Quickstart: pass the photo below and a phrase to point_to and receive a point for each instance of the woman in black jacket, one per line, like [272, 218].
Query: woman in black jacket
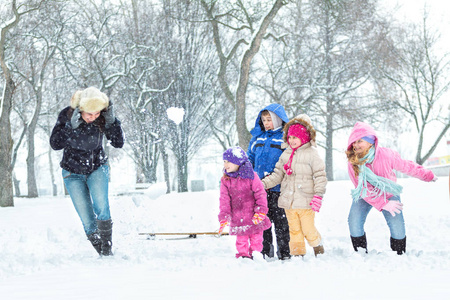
[79, 130]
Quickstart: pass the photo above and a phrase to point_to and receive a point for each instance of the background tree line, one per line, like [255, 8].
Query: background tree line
[337, 60]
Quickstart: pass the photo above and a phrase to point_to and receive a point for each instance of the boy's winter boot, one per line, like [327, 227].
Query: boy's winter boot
[359, 242]
[318, 250]
[398, 245]
[283, 257]
[268, 253]
[105, 232]
[95, 240]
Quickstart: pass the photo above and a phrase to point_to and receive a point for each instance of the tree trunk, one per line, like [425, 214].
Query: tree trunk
[329, 148]
[165, 159]
[6, 145]
[31, 175]
[16, 185]
[244, 135]
[239, 102]
[31, 172]
[182, 160]
[52, 172]
[182, 175]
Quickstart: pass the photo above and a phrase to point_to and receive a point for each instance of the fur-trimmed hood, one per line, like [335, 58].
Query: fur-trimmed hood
[89, 100]
[304, 120]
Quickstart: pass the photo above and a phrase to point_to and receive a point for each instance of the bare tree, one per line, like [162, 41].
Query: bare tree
[39, 43]
[90, 51]
[221, 124]
[239, 21]
[6, 143]
[189, 62]
[325, 66]
[421, 77]
[286, 74]
[144, 33]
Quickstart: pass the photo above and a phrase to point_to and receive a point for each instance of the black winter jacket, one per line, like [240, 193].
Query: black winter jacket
[83, 150]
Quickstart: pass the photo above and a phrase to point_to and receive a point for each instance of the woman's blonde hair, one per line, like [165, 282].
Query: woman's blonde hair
[354, 159]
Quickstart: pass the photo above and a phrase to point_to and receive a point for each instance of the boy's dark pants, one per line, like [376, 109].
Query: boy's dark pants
[278, 217]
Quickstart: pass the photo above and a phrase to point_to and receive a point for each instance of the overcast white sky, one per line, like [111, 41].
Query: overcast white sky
[412, 10]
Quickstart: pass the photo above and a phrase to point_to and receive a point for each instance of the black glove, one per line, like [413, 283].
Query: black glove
[76, 120]
[109, 115]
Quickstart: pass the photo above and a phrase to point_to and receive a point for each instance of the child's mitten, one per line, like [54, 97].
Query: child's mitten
[223, 224]
[393, 207]
[316, 203]
[258, 217]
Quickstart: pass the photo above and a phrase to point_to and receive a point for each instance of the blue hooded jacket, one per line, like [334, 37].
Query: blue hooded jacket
[264, 149]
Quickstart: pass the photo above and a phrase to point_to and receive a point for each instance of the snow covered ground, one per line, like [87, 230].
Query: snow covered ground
[45, 255]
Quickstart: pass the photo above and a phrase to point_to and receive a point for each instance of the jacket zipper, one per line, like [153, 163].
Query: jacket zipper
[92, 152]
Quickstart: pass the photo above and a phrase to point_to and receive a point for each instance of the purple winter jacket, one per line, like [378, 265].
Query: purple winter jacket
[385, 162]
[240, 199]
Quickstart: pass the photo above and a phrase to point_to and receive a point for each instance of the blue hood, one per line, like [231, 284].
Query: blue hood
[276, 109]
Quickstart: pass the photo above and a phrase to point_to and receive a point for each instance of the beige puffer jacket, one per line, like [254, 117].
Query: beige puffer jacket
[308, 177]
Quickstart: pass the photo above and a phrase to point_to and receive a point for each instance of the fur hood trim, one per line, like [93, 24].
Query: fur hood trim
[304, 120]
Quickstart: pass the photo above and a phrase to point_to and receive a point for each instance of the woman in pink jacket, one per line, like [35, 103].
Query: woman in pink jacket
[243, 203]
[371, 169]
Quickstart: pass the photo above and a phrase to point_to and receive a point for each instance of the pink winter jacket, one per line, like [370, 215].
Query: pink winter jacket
[240, 199]
[385, 162]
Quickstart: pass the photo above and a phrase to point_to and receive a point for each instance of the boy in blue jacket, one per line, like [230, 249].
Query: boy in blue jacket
[263, 152]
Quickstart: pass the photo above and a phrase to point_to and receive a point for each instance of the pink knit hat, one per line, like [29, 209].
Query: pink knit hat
[302, 133]
[299, 131]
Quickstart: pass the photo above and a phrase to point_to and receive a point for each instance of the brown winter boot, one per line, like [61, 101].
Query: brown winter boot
[318, 250]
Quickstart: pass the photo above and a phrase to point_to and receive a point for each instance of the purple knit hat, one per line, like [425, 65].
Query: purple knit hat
[237, 156]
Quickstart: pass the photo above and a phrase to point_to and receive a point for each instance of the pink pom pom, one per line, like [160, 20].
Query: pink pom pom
[289, 171]
[286, 166]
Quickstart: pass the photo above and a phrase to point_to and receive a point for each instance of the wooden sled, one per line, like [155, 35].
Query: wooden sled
[184, 235]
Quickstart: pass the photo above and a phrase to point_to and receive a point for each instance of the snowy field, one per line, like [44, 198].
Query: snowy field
[45, 255]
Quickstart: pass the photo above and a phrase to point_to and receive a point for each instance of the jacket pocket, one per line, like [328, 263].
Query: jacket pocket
[307, 185]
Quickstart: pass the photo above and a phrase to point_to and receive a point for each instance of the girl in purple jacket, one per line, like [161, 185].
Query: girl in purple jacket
[371, 169]
[243, 203]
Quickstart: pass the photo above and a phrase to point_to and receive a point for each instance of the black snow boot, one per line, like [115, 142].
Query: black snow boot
[105, 232]
[268, 253]
[398, 245]
[359, 242]
[95, 240]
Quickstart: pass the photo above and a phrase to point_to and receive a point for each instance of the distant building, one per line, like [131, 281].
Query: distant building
[440, 165]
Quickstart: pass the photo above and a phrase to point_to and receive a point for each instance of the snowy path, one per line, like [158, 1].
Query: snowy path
[44, 255]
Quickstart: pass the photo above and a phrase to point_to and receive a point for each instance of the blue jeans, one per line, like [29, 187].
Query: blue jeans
[89, 195]
[360, 210]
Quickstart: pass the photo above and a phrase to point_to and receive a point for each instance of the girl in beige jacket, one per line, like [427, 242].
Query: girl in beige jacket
[301, 173]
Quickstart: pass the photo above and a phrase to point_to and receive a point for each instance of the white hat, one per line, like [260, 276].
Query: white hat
[89, 100]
